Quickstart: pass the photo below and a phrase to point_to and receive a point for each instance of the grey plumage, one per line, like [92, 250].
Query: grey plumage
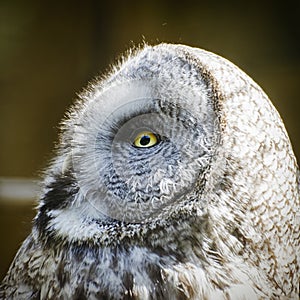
[205, 205]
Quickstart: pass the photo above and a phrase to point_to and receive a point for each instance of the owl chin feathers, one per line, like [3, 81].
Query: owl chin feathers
[169, 183]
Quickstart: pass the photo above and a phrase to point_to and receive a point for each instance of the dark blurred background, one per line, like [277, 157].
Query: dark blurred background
[49, 50]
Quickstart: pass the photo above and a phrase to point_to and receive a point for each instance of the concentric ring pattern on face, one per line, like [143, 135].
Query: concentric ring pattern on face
[136, 184]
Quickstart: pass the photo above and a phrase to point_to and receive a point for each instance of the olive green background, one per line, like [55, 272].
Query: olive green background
[49, 50]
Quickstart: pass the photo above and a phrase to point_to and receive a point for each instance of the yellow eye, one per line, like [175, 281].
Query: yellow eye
[145, 139]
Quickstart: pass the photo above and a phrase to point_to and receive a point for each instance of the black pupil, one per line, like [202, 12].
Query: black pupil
[145, 140]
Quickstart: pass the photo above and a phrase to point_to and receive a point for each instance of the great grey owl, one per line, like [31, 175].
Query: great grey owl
[175, 179]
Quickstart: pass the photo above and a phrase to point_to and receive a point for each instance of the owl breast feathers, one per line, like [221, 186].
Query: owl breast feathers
[175, 179]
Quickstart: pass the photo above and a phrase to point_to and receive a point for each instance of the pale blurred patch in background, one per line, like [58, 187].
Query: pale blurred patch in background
[50, 50]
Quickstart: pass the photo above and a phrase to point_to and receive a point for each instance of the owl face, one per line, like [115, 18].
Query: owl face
[141, 145]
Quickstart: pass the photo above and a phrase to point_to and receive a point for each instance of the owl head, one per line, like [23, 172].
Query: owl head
[140, 143]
